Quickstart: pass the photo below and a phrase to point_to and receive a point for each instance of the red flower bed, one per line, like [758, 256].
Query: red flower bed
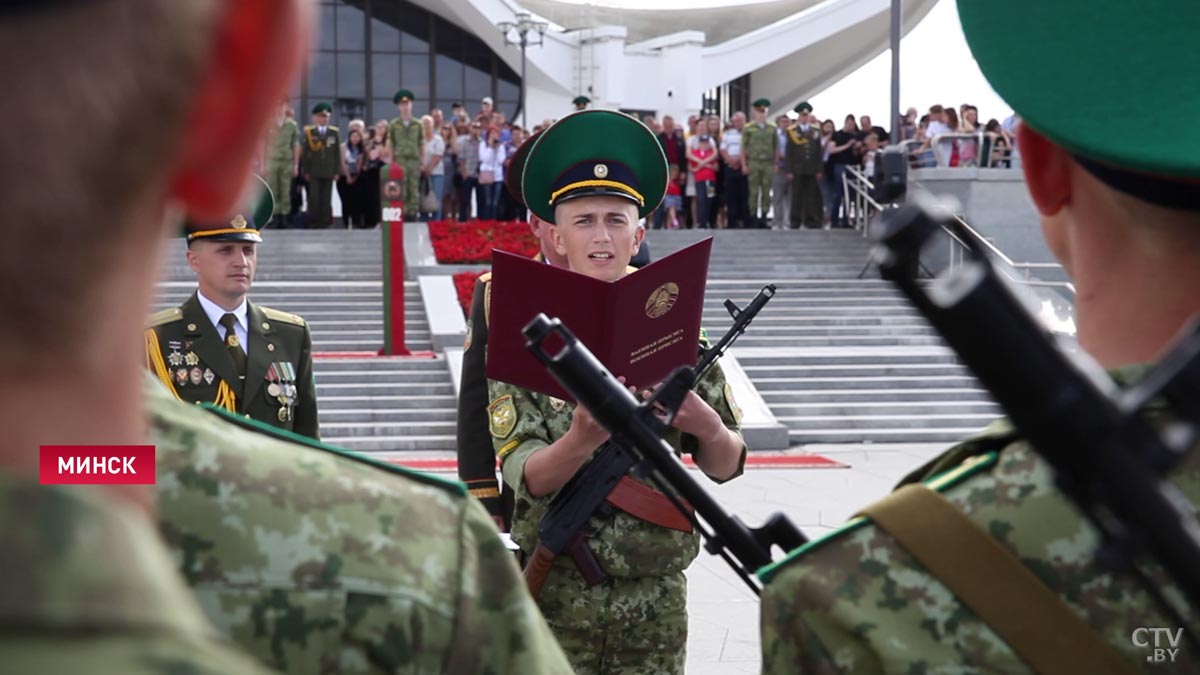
[464, 284]
[456, 243]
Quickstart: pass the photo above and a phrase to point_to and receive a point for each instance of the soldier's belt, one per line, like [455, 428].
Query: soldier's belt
[645, 503]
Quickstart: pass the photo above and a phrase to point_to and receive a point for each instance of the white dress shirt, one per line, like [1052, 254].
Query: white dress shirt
[214, 313]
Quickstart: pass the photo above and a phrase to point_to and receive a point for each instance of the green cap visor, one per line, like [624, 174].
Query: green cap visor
[242, 225]
[593, 153]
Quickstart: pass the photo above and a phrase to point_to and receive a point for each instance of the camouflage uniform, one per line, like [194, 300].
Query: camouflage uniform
[636, 620]
[281, 159]
[857, 602]
[760, 145]
[88, 588]
[316, 560]
[407, 140]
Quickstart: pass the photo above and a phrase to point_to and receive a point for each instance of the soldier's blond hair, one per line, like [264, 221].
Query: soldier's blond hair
[95, 95]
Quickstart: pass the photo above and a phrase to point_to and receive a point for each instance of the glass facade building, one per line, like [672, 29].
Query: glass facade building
[367, 49]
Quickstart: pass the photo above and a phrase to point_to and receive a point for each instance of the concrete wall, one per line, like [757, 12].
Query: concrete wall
[995, 202]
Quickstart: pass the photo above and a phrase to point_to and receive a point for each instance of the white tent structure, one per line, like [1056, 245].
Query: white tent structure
[663, 60]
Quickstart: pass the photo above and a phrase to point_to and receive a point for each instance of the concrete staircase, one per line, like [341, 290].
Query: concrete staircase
[333, 279]
[837, 359]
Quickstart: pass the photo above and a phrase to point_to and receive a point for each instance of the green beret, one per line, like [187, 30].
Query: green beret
[581, 100]
[322, 107]
[803, 107]
[403, 95]
[243, 224]
[593, 153]
[761, 103]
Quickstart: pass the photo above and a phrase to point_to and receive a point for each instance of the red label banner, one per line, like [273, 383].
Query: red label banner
[97, 464]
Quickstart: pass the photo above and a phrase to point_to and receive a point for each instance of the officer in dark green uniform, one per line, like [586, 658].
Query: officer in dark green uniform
[804, 159]
[404, 140]
[321, 162]
[759, 143]
[220, 348]
[581, 102]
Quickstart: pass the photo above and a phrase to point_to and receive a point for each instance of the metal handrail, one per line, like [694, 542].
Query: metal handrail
[857, 187]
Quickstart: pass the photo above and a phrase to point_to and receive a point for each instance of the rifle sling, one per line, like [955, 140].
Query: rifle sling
[993, 583]
[645, 503]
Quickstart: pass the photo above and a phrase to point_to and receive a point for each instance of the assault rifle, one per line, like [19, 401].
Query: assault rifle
[637, 443]
[1106, 457]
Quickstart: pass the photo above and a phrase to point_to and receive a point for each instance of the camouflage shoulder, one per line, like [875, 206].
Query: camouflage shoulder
[994, 437]
[973, 467]
[285, 317]
[451, 486]
[164, 317]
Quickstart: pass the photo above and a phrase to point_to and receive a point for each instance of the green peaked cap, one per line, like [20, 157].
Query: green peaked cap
[594, 153]
[403, 95]
[244, 224]
[761, 103]
[1079, 73]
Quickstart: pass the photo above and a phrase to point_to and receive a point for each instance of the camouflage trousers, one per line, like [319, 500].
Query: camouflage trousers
[761, 174]
[412, 187]
[279, 179]
[624, 626]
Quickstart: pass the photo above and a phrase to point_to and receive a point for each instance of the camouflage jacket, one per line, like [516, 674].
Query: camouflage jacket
[317, 560]
[856, 602]
[522, 422]
[89, 588]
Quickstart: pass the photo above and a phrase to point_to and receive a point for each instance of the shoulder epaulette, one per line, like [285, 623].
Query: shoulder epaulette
[309, 127]
[284, 435]
[332, 127]
[940, 483]
[165, 316]
[282, 316]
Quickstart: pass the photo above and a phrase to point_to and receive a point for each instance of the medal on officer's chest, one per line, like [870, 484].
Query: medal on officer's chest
[281, 377]
[195, 375]
[209, 376]
[181, 376]
[191, 359]
[174, 359]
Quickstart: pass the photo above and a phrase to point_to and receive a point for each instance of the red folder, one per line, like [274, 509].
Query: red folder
[641, 326]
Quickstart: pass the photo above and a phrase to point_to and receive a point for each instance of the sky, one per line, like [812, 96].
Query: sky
[936, 66]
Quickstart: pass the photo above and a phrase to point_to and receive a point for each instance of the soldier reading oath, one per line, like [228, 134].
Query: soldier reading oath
[593, 176]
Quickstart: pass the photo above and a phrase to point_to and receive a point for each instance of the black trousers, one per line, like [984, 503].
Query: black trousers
[737, 199]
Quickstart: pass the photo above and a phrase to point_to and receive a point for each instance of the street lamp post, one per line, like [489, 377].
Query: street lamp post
[523, 26]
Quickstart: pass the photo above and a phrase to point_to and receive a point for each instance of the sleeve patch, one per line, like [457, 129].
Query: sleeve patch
[733, 406]
[502, 417]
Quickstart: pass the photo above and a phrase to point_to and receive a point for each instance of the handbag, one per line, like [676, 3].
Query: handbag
[429, 199]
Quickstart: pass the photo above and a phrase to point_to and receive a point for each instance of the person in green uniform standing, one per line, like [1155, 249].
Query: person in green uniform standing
[404, 140]
[220, 348]
[322, 162]
[283, 161]
[581, 102]
[593, 175]
[1122, 213]
[759, 143]
[88, 585]
[804, 158]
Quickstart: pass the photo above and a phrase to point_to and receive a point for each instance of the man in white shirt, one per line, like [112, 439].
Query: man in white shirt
[737, 183]
[937, 126]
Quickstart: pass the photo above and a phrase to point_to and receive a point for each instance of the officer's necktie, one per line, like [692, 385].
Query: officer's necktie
[233, 345]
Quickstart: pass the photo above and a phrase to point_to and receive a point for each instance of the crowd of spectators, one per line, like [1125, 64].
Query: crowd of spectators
[465, 158]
